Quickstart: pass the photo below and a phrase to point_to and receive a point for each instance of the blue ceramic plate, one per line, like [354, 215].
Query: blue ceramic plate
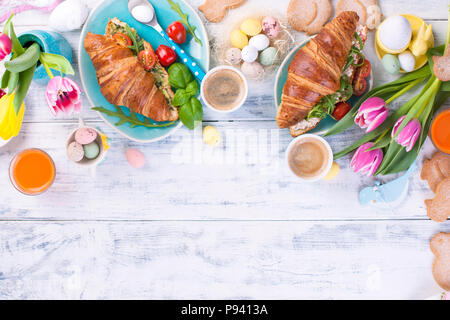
[97, 22]
[281, 78]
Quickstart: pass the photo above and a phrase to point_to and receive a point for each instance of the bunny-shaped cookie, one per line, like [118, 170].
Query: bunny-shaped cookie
[440, 246]
[216, 10]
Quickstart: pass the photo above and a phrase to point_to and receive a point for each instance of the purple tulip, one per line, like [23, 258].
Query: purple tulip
[409, 135]
[5, 46]
[365, 161]
[371, 114]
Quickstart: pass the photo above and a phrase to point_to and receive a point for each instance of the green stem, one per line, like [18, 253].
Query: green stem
[405, 89]
[47, 69]
[381, 136]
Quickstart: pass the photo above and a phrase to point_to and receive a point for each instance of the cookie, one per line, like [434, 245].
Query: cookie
[368, 11]
[309, 15]
[436, 169]
[441, 66]
[440, 246]
[438, 209]
[216, 10]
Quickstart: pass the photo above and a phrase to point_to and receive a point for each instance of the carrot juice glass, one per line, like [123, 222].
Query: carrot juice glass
[440, 131]
[32, 171]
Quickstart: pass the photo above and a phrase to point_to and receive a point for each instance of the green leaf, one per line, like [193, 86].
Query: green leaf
[132, 119]
[179, 76]
[57, 62]
[24, 83]
[5, 79]
[192, 88]
[181, 97]
[191, 113]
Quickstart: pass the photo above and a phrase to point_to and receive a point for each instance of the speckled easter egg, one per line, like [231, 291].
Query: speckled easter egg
[85, 135]
[260, 42]
[390, 63]
[268, 56]
[252, 70]
[91, 150]
[271, 27]
[135, 158]
[251, 27]
[238, 39]
[75, 151]
[407, 61]
[233, 56]
[249, 54]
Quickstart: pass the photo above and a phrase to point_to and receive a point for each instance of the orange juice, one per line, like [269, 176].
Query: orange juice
[32, 171]
[440, 131]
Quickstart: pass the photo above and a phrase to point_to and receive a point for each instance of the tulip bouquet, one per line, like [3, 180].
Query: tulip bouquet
[62, 93]
[393, 142]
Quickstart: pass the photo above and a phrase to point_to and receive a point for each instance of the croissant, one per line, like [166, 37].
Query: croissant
[316, 69]
[124, 82]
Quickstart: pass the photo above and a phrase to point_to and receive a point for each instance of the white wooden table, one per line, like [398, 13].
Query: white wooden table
[192, 229]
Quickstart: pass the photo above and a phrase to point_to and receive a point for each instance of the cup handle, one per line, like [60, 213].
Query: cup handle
[93, 171]
[81, 122]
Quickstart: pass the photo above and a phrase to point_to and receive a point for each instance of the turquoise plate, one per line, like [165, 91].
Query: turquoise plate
[96, 23]
[281, 78]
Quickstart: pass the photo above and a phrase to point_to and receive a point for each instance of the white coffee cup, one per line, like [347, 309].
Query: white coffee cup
[214, 71]
[328, 157]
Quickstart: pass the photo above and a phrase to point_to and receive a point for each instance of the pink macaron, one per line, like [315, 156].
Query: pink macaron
[135, 158]
[85, 135]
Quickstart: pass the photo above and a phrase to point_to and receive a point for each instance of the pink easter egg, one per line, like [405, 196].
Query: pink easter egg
[135, 158]
[271, 27]
[85, 135]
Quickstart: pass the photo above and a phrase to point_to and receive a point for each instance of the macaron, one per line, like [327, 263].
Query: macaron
[91, 150]
[135, 158]
[85, 135]
[75, 151]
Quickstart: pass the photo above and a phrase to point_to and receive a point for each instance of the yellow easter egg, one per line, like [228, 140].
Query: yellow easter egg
[334, 171]
[251, 27]
[212, 136]
[238, 39]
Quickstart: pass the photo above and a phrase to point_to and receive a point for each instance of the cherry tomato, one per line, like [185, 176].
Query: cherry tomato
[341, 109]
[122, 39]
[2, 93]
[364, 70]
[147, 58]
[166, 55]
[359, 86]
[177, 32]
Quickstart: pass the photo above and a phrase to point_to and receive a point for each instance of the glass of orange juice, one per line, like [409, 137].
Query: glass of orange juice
[32, 171]
[440, 131]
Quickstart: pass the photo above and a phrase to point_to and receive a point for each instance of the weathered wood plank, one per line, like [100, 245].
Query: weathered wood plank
[217, 260]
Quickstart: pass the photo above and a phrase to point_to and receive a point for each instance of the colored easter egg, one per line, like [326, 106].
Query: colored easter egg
[249, 54]
[260, 42]
[334, 171]
[238, 39]
[135, 158]
[233, 56]
[268, 56]
[407, 61]
[91, 150]
[85, 135]
[391, 63]
[251, 27]
[212, 136]
[395, 34]
[75, 151]
[271, 27]
[252, 70]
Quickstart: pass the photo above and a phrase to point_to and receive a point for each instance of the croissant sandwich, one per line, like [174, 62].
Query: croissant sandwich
[123, 80]
[321, 74]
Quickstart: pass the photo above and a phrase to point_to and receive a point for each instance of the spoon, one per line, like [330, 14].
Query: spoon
[143, 12]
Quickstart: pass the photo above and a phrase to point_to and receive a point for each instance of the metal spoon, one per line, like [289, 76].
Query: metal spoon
[153, 22]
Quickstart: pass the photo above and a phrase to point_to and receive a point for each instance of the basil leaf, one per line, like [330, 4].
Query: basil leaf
[179, 76]
[57, 62]
[191, 113]
[181, 97]
[192, 88]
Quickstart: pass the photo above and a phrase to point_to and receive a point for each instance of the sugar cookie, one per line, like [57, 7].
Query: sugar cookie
[309, 15]
[216, 10]
[440, 246]
[436, 170]
[438, 209]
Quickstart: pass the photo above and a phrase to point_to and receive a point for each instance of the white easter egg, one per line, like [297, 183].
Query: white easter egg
[69, 15]
[260, 42]
[142, 13]
[249, 54]
[395, 33]
[407, 61]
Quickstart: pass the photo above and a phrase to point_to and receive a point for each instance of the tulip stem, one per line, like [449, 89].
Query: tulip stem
[47, 69]
[405, 89]
[381, 136]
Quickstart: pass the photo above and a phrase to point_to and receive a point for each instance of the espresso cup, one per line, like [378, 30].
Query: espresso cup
[315, 160]
[213, 78]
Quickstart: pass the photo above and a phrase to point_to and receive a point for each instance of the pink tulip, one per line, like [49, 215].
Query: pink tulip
[63, 95]
[365, 161]
[5, 46]
[409, 134]
[371, 114]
